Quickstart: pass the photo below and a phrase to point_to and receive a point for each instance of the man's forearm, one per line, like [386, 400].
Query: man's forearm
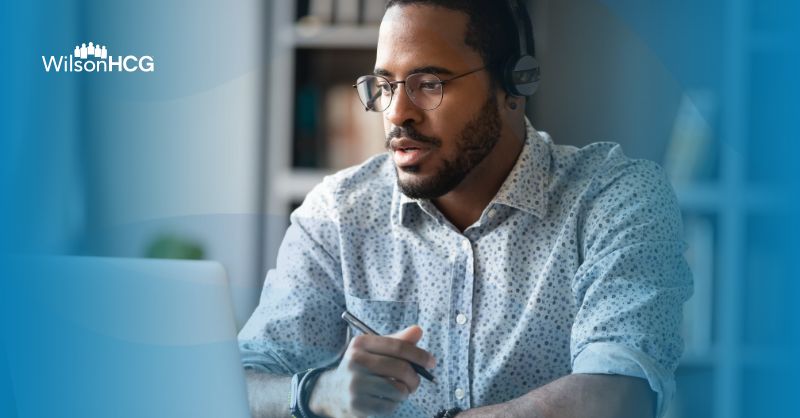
[578, 395]
[268, 394]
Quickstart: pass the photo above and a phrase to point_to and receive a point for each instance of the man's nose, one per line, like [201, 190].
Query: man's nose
[402, 110]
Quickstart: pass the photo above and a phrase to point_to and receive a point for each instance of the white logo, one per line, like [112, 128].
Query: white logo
[95, 57]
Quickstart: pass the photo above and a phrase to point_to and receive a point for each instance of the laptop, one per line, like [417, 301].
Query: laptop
[102, 337]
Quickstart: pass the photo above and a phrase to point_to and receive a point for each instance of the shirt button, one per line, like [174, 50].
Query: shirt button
[459, 394]
[461, 319]
[465, 245]
[491, 213]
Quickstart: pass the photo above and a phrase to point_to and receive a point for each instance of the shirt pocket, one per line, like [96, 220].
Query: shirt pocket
[383, 316]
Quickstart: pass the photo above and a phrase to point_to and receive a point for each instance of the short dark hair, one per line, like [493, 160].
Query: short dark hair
[491, 30]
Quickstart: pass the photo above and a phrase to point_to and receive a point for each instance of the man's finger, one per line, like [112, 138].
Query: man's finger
[411, 334]
[394, 390]
[393, 347]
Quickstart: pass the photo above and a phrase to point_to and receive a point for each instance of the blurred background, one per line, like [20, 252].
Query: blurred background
[251, 105]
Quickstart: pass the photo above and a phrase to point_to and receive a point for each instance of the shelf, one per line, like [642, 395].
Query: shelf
[294, 185]
[746, 356]
[770, 357]
[713, 197]
[696, 360]
[336, 36]
[699, 197]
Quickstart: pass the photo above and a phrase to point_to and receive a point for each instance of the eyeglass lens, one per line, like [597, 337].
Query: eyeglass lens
[376, 92]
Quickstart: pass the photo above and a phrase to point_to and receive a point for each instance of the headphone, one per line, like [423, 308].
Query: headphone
[521, 73]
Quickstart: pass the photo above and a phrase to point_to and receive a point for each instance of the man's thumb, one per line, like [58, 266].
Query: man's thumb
[411, 334]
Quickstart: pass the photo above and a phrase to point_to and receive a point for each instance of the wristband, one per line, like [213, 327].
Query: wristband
[302, 386]
[294, 395]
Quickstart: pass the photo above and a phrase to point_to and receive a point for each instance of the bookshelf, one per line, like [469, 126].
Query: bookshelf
[744, 202]
[333, 36]
[319, 53]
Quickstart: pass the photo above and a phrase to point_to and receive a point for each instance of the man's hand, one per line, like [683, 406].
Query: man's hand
[374, 376]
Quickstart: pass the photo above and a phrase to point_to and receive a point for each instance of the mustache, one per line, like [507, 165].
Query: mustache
[408, 132]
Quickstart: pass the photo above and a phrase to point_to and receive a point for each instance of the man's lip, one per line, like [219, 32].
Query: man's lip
[406, 151]
[405, 156]
[399, 143]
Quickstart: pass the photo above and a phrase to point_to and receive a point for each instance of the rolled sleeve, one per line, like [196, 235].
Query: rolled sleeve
[631, 288]
[607, 358]
[258, 356]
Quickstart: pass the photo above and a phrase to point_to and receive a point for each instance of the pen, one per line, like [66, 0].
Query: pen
[347, 316]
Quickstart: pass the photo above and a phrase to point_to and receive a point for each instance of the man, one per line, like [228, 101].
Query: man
[535, 280]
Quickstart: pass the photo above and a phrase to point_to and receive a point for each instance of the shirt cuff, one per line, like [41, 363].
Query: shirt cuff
[608, 358]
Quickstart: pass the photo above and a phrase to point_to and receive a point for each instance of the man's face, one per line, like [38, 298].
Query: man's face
[434, 150]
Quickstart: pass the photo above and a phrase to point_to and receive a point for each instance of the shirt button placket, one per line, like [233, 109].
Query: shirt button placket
[462, 344]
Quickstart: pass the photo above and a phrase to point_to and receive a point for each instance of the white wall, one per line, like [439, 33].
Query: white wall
[177, 150]
[600, 80]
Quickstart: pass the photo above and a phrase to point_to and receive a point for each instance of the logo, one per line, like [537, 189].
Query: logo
[93, 58]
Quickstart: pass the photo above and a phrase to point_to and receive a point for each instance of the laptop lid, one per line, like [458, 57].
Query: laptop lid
[100, 337]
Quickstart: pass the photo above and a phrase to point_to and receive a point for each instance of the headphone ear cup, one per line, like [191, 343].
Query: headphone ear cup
[521, 75]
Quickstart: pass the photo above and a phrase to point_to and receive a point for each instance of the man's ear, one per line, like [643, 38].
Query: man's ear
[512, 110]
[511, 103]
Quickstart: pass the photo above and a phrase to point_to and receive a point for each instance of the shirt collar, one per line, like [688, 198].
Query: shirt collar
[525, 186]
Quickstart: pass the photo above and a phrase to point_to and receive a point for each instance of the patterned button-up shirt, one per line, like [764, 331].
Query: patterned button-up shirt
[575, 266]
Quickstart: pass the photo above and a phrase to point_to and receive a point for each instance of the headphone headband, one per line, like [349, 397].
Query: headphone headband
[513, 6]
[521, 73]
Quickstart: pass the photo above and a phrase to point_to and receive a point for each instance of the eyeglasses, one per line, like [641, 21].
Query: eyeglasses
[424, 90]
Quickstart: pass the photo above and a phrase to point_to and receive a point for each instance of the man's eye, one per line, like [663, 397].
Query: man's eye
[385, 88]
[428, 86]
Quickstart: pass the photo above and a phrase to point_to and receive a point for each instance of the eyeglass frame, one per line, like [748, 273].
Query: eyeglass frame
[393, 83]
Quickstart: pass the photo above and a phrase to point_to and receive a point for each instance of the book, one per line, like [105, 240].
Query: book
[352, 135]
[347, 12]
[697, 311]
[689, 153]
[306, 126]
[321, 10]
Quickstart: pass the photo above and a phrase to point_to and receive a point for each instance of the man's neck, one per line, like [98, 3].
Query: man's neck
[464, 204]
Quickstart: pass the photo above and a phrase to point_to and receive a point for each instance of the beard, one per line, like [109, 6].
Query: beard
[475, 141]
